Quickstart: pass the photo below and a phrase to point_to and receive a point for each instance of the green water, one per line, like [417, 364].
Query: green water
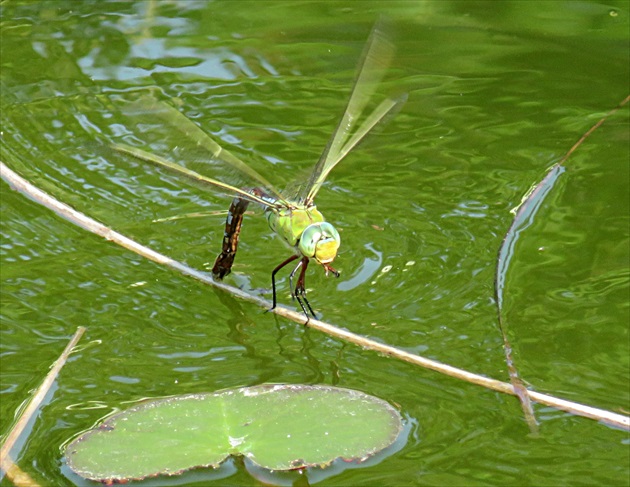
[498, 91]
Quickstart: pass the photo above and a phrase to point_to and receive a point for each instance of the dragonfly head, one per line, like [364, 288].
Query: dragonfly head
[320, 241]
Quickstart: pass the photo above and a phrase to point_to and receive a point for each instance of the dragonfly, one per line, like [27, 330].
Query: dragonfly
[296, 220]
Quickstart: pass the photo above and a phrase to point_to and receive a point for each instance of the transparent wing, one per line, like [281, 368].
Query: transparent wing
[374, 62]
[188, 174]
[150, 107]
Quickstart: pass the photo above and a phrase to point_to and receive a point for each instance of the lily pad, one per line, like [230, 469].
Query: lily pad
[277, 427]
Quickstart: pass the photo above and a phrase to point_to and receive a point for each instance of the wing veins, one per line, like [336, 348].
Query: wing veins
[375, 59]
[187, 173]
[177, 120]
[368, 124]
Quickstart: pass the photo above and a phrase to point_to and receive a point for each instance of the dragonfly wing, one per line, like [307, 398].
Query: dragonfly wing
[187, 173]
[376, 57]
[385, 108]
[150, 107]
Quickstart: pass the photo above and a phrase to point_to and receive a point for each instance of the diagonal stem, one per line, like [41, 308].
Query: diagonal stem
[78, 218]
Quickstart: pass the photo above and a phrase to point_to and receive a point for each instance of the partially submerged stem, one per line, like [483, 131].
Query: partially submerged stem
[70, 214]
[522, 218]
[5, 461]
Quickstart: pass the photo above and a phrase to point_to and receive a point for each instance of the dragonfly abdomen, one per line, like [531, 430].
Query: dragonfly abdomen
[223, 264]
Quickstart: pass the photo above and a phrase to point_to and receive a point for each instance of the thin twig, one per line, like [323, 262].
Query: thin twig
[592, 129]
[5, 461]
[20, 184]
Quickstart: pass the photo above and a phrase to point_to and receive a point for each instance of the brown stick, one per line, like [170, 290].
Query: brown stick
[20, 184]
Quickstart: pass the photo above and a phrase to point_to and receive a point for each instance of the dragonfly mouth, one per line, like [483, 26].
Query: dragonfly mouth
[327, 247]
[326, 251]
[319, 241]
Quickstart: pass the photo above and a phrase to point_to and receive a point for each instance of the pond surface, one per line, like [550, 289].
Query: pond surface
[497, 93]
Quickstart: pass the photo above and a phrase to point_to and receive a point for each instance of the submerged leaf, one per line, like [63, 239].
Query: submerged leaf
[278, 427]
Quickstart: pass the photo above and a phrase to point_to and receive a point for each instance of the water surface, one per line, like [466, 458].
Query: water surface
[496, 95]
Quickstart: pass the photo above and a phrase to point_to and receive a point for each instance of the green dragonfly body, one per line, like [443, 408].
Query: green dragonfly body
[296, 220]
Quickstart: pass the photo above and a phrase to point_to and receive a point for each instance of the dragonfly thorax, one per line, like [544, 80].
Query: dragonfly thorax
[320, 241]
[304, 228]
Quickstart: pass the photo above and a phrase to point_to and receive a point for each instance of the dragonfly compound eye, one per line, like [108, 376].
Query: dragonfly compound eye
[320, 241]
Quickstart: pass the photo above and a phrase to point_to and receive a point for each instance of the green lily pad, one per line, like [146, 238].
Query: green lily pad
[278, 427]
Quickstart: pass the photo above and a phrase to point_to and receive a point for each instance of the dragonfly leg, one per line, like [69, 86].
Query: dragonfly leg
[273, 277]
[300, 288]
[223, 265]
[330, 269]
